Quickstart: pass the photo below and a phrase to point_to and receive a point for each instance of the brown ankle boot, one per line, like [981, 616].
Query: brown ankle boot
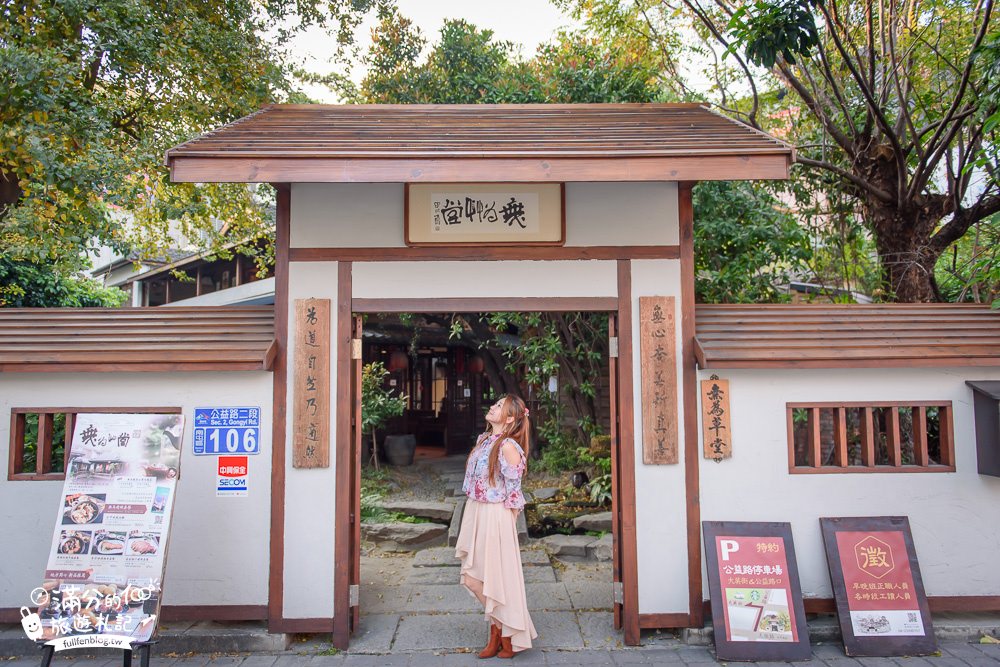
[493, 645]
[505, 650]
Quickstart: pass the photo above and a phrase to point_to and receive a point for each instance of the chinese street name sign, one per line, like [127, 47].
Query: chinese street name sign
[226, 431]
[311, 378]
[877, 586]
[105, 567]
[484, 214]
[658, 366]
[717, 432]
[757, 610]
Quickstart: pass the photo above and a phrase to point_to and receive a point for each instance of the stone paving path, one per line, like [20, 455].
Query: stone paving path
[414, 603]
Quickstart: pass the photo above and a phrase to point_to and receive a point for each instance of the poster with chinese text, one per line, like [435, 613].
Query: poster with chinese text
[757, 610]
[105, 565]
[876, 582]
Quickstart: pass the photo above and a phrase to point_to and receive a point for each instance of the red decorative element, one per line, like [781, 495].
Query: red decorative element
[476, 364]
[398, 361]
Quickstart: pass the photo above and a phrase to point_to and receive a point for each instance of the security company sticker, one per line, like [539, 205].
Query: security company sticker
[232, 477]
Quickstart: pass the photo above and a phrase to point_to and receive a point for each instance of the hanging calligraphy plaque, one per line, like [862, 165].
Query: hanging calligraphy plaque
[716, 429]
[658, 346]
[491, 214]
[311, 378]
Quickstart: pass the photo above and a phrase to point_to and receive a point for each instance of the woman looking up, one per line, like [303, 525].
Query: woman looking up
[487, 541]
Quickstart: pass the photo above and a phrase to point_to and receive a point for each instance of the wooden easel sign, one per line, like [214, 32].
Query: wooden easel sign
[753, 580]
[877, 586]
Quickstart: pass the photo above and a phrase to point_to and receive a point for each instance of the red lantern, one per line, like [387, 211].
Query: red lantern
[476, 364]
[398, 361]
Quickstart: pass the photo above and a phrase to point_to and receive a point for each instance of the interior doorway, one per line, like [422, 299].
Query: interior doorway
[448, 383]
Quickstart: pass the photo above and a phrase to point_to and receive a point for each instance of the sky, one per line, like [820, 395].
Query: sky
[527, 23]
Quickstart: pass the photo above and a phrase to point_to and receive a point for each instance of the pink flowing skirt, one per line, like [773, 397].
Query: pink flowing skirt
[487, 546]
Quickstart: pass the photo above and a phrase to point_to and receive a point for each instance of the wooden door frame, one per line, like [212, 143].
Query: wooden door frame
[347, 546]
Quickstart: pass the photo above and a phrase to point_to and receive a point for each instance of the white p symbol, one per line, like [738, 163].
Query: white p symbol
[728, 547]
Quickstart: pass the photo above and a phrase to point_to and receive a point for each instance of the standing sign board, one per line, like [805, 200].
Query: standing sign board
[757, 611]
[876, 582]
[105, 566]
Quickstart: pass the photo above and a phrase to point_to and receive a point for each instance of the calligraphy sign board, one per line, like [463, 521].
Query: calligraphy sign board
[311, 375]
[876, 582]
[717, 431]
[753, 580]
[490, 214]
[105, 567]
[658, 366]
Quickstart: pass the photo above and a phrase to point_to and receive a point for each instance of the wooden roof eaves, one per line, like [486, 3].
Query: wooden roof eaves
[834, 363]
[750, 166]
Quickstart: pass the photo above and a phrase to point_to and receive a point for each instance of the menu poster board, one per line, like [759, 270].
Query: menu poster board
[105, 566]
[877, 586]
[753, 580]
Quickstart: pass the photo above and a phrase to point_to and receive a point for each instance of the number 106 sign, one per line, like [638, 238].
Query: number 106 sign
[226, 431]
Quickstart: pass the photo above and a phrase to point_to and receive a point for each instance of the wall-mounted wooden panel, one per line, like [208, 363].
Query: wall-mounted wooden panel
[311, 378]
[658, 365]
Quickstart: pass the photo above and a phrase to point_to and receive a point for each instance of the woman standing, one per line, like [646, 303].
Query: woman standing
[487, 541]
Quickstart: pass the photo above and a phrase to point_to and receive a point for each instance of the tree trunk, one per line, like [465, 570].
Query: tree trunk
[905, 254]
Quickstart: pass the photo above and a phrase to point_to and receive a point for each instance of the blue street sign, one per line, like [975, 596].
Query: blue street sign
[226, 431]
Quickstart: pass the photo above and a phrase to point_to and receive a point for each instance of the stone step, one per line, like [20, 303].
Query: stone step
[599, 521]
[435, 511]
[445, 557]
[400, 536]
[450, 575]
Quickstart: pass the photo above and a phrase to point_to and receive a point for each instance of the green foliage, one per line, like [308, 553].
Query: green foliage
[970, 270]
[571, 348]
[769, 29]
[467, 66]
[378, 404]
[600, 481]
[91, 94]
[746, 244]
[26, 284]
[30, 452]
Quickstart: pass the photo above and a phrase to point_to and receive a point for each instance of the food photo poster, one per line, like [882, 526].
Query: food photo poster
[106, 562]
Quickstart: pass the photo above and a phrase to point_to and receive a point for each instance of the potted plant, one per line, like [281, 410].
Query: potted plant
[377, 402]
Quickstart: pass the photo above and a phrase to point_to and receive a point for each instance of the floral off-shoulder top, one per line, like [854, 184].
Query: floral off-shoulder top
[507, 489]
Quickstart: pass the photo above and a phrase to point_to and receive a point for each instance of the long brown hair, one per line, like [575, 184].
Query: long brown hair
[518, 430]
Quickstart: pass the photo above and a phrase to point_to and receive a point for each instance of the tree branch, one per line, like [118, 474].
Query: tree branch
[962, 220]
[857, 181]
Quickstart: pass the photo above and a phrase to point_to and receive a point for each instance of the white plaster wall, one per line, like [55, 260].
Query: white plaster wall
[310, 494]
[359, 215]
[218, 553]
[661, 527]
[564, 278]
[954, 517]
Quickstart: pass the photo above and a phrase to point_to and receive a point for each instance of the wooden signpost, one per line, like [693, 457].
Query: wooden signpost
[658, 347]
[311, 378]
[877, 586]
[757, 611]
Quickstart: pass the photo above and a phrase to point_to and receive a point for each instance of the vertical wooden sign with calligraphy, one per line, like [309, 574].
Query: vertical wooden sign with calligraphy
[311, 375]
[716, 429]
[658, 365]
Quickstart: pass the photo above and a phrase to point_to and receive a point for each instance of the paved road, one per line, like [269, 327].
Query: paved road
[951, 655]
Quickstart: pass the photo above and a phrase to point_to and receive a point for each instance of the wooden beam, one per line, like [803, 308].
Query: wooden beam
[840, 437]
[263, 169]
[920, 435]
[425, 254]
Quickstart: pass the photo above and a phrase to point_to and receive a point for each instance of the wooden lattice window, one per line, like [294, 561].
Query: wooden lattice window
[39, 443]
[915, 436]
[40, 439]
